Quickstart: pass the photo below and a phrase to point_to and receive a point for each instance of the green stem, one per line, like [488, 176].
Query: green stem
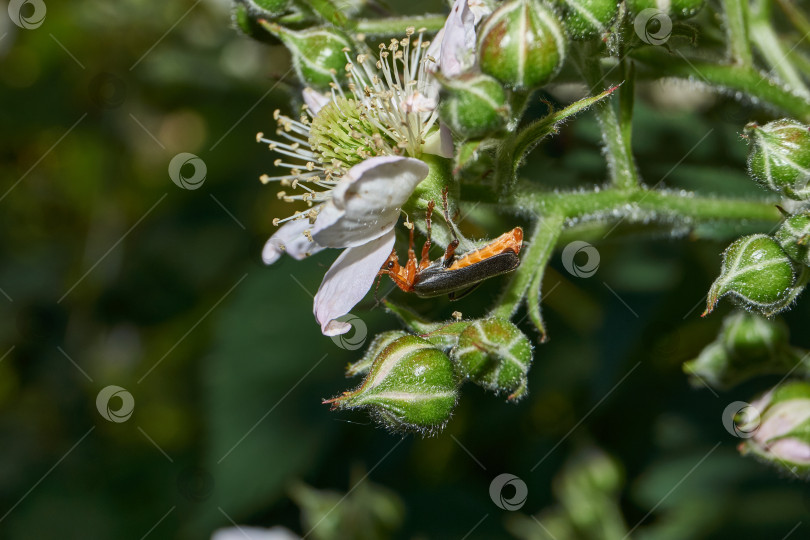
[540, 247]
[621, 164]
[553, 225]
[732, 79]
[641, 204]
[395, 26]
[767, 42]
[796, 16]
[739, 44]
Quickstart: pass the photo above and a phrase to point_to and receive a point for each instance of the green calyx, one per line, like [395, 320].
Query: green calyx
[494, 354]
[522, 44]
[317, 53]
[586, 19]
[342, 134]
[410, 386]
[779, 157]
[473, 105]
[757, 272]
[793, 235]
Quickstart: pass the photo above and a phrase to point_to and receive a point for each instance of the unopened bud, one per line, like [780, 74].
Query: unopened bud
[494, 354]
[779, 157]
[586, 19]
[522, 44]
[411, 386]
[317, 53]
[473, 105]
[757, 272]
[782, 436]
[748, 345]
[362, 366]
[793, 235]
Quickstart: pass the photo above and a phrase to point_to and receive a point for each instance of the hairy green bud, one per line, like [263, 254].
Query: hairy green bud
[779, 157]
[677, 9]
[473, 105]
[757, 272]
[494, 354]
[266, 8]
[780, 433]
[410, 386]
[522, 44]
[317, 53]
[748, 345]
[793, 236]
[586, 19]
[362, 366]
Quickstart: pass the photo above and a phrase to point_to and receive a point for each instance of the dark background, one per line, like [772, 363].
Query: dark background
[113, 275]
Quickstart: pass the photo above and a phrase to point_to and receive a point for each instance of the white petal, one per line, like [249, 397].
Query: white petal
[454, 45]
[348, 281]
[440, 142]
[315, 100]
[366, 202]
[479, 8]
[290, 238]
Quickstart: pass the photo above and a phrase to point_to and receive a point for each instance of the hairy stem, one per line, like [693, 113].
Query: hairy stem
[621, 164]
[739, 44]
[735, 80]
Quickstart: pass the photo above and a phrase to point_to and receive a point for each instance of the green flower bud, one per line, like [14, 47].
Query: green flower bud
[780, 435]
[793, 236]
[748, 345]
[317, 53]
[779, 157]
[757, 272]
[266, 8]
[677, 9]
[522, 44]
[362, 366]
[494, 354]
[586, 19]
[411, 386]
[473, 105]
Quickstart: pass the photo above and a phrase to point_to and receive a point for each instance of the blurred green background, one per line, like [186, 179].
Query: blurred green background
[113, 275]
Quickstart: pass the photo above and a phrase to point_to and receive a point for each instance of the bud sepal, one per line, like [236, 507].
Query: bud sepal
[758, 273]
[494, 354]
[793, 235]
[410, 386]
[779, 157]
[473, 105]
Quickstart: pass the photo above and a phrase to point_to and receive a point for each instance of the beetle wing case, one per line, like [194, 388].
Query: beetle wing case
[435, 280]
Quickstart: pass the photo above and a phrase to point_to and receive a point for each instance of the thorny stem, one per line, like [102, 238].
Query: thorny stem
[736, 21]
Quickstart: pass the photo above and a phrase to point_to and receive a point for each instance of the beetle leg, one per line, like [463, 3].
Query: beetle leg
[450, 252]
[401, 276]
